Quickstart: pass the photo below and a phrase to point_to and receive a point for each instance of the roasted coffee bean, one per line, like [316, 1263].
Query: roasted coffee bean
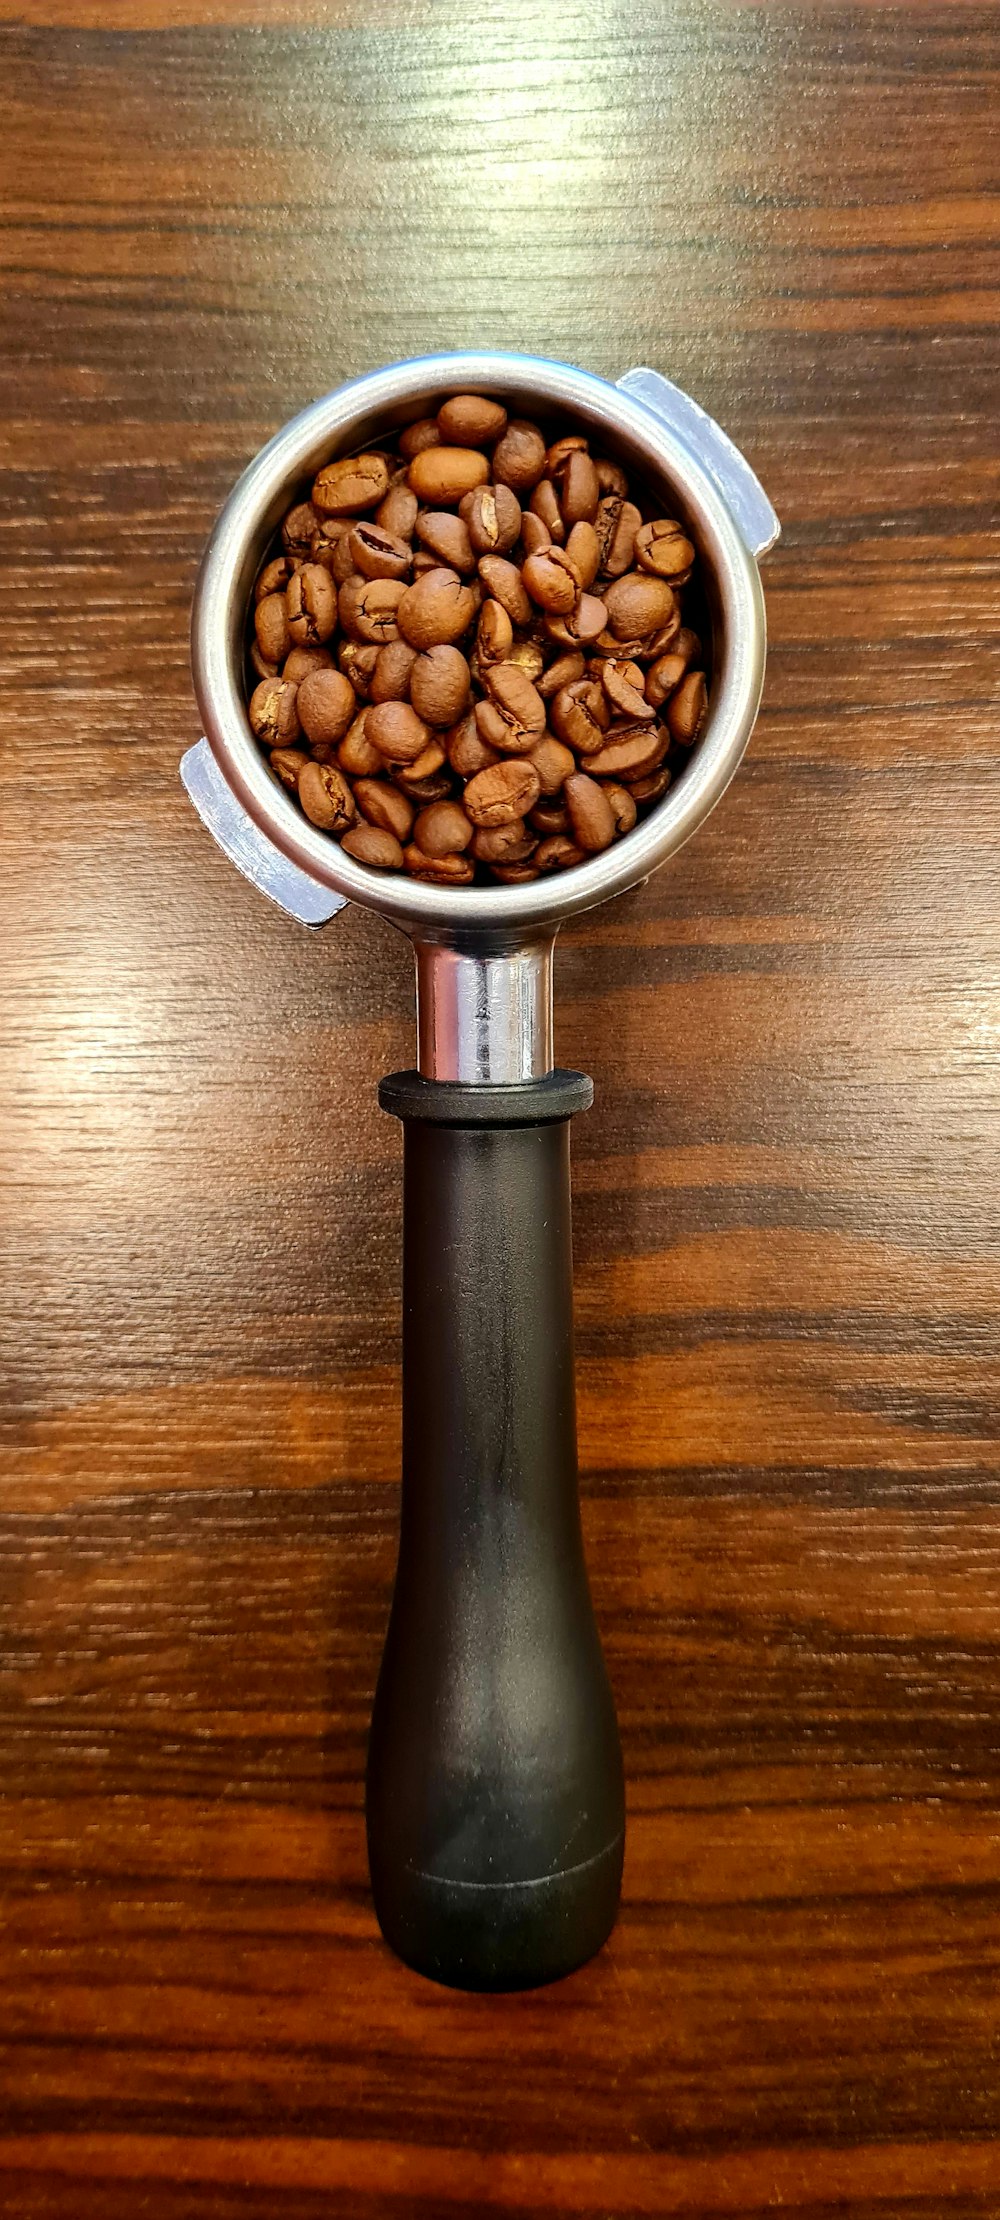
[303, 661]
[385, 806]
[662, 676]
[441, 870]
[274, 717]
[651, 787]
[557, 853]
[583, 553]
[397, 513]
[391, 676]
[439, 476]
[274, 577]
[369, 608]
[535, 536]
[372, 845]
[579, 492]
[326, 797]
[629, 752]
[552, 581]
[348, 487]
[298, 529]
[436, 609]
[465, 621]
[378, 553]
[311, 605]
[467, 752]
[286, 763]
[583, 625]
[622, 806]
[447, 538]
[687, 707]
[492, 517]
[553, 762]
[580, 715]
[504, 843]
[519, 457]
[589, 812]
[564, 671]
[326, 705]
[443, 830]
[439, 685]
[638, 604]
[358, 659]
[396, 731]
[271, 626]
[502, 580]
[663, 547]
[501, 793]
[623, 685]
[544, 505]
[469, 420]
[424, 433]
[548, 817]
[494, 635]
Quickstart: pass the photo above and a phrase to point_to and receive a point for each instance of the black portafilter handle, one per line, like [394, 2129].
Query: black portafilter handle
[495, 1798]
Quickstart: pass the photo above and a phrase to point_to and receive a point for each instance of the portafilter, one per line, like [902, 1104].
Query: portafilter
[495, 1799]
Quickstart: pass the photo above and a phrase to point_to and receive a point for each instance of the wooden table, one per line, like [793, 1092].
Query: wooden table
[786, 1196]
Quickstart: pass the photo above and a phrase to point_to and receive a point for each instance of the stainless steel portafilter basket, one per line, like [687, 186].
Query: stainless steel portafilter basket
[495, 1804]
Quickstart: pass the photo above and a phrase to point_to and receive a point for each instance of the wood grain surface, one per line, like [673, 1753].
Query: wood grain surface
[787, 1194]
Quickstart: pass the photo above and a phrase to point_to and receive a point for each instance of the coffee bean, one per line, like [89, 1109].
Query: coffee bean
[286, 763]
[372, 845]
[397, 513]
[326, 797]
[355, 483]
[391, 676]
[443, 830]
[384, 806]
[553, 762]
[687, 707]
[552, 581]
[502, 580]
[439, 476]
[424, 433]
[516, 675]
[512, 843]
[447, 538]
[468, 420]
[356, 754]
[369, 608]
[298, 529]
[379, 554]
[396, 731]
[492, 517]
[439, 685]
[502, 793]
[557, 853]
[441, 870]
[271, 626]
[589, 812]
[303, 661]
[436, 609]
[326, 705]
[519, 457]
[274, 717]
[663, 547]
[638, 604]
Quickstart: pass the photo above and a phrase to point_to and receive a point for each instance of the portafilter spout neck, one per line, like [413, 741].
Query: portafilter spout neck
[484, 1007]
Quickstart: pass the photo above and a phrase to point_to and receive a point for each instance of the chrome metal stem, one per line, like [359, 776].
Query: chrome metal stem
[484, 1012]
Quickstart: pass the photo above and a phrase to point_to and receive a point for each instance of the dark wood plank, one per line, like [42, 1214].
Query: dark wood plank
[786, 1196]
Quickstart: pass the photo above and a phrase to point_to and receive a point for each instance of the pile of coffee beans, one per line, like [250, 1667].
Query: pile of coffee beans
[470, 653]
